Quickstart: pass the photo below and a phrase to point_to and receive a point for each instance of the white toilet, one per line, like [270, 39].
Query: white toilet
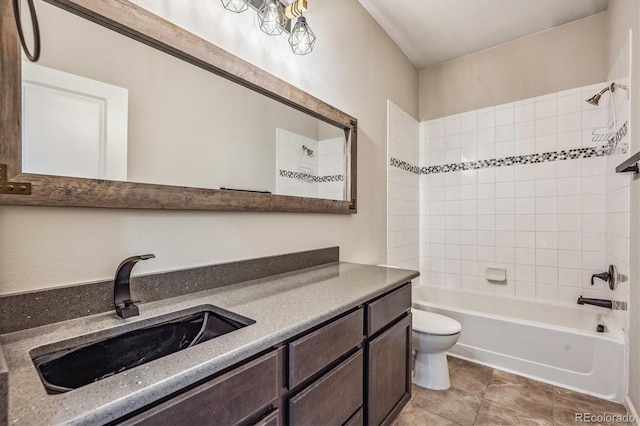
[432, 334]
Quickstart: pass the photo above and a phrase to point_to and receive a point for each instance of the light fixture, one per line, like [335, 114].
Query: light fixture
[271, 17]
[302, 38]
[297, 8]
[274, 18]
[236, 6]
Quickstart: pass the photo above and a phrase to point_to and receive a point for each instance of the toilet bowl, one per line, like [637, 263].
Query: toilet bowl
[432, 335]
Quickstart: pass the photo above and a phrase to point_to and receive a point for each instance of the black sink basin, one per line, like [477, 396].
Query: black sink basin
[71, 368]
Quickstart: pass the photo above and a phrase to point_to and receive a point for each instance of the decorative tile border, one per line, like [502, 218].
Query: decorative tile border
[311, 178]
[403, 165]
[570, 154]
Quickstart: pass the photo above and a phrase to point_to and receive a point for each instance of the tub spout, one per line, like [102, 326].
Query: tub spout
[603, 303]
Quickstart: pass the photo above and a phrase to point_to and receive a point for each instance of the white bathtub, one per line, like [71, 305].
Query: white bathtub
[550, 343]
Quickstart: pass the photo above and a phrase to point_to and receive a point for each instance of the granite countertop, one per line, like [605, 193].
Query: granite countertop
[282, 306]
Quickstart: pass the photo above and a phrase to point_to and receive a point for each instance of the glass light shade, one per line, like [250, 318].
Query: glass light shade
[236, 6]
[302, 38]
[271, 17]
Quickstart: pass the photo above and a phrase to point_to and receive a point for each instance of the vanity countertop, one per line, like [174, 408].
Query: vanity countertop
[282, 306]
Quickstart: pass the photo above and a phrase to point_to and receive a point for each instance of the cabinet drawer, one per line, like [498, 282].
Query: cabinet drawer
[311, 353]
[232, 398]
[273, 419]
[384, 310]
[332, 399]
[356, 420]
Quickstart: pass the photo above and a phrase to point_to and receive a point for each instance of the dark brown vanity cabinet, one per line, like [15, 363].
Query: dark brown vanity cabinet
[373, 384]
[352, 370]
[388, 353]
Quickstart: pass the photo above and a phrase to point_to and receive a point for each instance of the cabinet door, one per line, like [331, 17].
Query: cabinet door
[389, 373]
[244, 393]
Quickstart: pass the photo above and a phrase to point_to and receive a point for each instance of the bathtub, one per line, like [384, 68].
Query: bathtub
[551, 343]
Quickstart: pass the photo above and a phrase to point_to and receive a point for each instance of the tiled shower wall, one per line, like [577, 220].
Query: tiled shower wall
[542, 220]
[403, 221]
[521, 186]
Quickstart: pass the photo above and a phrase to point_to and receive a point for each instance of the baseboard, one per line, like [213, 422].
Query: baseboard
[632, 410]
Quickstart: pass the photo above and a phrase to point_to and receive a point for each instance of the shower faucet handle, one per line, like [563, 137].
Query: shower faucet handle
[610, 276]
[604, 276]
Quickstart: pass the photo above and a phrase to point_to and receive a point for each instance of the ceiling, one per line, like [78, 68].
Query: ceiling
[431, 32]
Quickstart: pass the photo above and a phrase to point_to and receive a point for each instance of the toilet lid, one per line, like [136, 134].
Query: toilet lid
[428, 322]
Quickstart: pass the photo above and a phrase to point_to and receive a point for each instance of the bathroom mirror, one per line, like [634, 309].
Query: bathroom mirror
[151, 130]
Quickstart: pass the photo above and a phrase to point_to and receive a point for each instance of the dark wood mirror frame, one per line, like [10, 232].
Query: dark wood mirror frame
[17, 188]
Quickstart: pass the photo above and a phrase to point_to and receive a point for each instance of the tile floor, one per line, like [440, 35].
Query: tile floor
[484, 396]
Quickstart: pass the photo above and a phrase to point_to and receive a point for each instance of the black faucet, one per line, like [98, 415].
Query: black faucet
[603, 303]
[125, 307]
[604, 276]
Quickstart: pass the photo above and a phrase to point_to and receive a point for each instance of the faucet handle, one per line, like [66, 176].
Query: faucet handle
[604, 276]
[611, 277]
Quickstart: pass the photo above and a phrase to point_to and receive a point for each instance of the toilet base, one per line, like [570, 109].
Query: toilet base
[431, 371]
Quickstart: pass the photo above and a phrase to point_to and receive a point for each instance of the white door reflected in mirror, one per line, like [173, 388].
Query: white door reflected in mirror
[73, 126]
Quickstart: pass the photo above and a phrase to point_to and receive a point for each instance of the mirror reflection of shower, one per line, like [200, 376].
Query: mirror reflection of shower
[311, 164]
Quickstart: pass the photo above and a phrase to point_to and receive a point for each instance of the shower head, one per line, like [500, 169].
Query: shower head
[596, 98]
[307, 150]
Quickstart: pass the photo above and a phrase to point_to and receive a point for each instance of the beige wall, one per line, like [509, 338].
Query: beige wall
[355, 67]
[568, 56]
[622, 15]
